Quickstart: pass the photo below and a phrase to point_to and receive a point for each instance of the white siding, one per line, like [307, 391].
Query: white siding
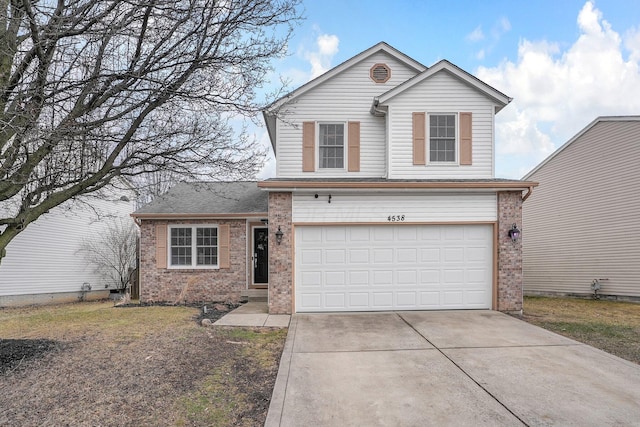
[441, 93]
[43, 258]
[346, 97]
[377, 207]
[582, 223]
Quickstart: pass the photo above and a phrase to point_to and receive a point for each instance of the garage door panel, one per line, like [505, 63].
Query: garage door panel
[407, 255]
[394, 267]
[311, 256]
[407, 277]
[429, 299]
[359, 256]
[382, 277]
[359, 299]
[383, 300]
[406, 299]
[359, 278]
[383, 256]
[335, 256]
[430, 255]
[335, 278]
[334, 300]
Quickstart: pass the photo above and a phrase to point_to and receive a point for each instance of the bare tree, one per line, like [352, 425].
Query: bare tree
[113, 254]
[94, 89]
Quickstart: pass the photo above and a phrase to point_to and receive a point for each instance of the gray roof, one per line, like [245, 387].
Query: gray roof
[209, 198]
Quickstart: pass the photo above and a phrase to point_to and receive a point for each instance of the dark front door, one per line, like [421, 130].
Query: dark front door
[260, 255]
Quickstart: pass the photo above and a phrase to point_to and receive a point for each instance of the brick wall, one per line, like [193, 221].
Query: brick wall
[280, 256]
[191, 285]
[509, 253]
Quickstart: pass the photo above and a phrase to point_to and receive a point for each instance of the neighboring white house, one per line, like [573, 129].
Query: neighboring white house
[385, 199]
[582, 225]
[43, 265]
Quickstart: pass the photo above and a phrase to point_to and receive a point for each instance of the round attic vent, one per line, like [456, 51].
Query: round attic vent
[380, 73]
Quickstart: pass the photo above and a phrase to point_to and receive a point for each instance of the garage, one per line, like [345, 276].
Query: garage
[393, 267]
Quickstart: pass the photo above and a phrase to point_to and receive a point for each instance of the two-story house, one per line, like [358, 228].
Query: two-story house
[384, 199]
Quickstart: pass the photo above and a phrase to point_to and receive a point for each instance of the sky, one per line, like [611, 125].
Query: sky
[564, 62]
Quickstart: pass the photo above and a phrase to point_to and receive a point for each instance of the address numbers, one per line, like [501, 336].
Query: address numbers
[395, 218]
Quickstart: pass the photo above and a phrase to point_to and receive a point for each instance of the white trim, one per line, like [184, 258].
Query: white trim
[436, 163]
[345, 145]
[193, 266]
[501, 99]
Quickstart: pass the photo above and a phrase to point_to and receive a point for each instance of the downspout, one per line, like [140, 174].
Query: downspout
[379, 112]
[526, 196]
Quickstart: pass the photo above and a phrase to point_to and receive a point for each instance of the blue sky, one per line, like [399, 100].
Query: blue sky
[564, 62]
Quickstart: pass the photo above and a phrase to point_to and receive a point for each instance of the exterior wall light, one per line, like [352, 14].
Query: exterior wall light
[279, 235]
[514, 233]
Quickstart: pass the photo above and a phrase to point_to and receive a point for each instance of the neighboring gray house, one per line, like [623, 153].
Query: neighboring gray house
[582, 224]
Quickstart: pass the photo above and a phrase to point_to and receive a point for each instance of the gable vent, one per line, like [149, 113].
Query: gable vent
[380, 73]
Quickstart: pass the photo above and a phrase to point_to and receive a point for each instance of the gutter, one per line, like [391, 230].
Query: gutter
[529, 191]
[375, 110]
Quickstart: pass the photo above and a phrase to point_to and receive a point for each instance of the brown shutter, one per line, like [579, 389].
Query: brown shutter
[354, 147]
[308, 146]
[161, 245]
[466, 150]
[419, 143]
[223, 244]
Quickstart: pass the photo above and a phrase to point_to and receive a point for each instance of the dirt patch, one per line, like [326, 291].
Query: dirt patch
[93, 364]
[612, 326]
[15, 351]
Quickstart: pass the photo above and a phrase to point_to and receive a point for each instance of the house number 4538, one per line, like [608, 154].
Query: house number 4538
[395, 218]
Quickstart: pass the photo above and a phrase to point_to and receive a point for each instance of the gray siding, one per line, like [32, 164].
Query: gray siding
[583, 221]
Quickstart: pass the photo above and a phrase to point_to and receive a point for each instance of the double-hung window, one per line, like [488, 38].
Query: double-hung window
[331, 145]
[442, 138]
[193, 246]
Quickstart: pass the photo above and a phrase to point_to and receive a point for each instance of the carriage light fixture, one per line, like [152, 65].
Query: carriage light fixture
[514, 233]
[279, 235]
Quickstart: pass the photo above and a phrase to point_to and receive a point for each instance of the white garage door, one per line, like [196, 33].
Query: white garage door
[393, 267]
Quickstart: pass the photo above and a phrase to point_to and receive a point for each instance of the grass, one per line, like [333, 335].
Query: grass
[136, 366]
[612, 326]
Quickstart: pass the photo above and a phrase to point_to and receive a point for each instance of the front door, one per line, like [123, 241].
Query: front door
[260, 256]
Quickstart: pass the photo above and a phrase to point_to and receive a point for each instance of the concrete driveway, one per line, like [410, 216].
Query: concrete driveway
[446, 368]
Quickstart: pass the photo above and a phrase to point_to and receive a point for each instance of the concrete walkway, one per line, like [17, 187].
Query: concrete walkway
[446, 368]
[254, 313]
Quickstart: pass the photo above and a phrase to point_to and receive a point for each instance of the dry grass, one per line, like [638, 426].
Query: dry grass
[611, 326]
[136, 366]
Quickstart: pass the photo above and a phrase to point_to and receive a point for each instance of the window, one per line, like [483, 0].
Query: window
[193, 246]
[331, 145]
[442, 138]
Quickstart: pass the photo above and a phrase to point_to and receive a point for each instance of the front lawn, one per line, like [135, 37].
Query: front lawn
[94, 364]
[611, 326]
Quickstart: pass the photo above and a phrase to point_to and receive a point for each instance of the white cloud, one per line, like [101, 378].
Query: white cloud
[320, 58]
[557, 92]
[476, 35]
[499, 28]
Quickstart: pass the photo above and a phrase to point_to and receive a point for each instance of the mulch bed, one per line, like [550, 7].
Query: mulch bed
[13, 352]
